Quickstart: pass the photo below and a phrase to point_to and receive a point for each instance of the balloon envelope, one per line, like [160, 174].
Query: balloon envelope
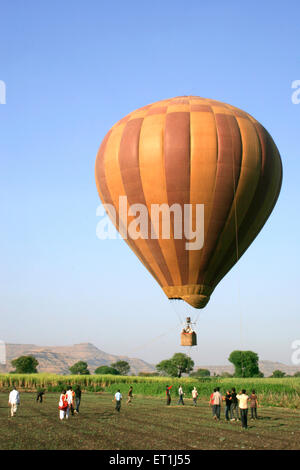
[191, 150]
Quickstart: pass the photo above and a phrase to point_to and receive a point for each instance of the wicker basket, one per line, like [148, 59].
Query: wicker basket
[188, 339]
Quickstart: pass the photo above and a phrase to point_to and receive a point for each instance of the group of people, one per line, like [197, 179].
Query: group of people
[69, 401]
[181, 395]
[118, 398]
[236, 405]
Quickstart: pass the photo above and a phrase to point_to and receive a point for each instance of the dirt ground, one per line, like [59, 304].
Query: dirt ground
[147, 423]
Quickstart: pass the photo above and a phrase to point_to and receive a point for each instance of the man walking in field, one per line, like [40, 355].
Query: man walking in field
[228, 403]
[180, 393]
[13, 401]
[77, 398]
[195, 396]
[118, 398]
[253, 404]
[217, 400]
[129, 396]
[243, 405]
[234, 409]
[168, 394]
[39, 395]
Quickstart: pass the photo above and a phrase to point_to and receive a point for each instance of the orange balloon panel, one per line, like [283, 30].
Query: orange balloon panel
[191, 150]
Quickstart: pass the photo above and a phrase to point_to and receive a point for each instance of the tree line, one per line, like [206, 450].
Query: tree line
[245, 365]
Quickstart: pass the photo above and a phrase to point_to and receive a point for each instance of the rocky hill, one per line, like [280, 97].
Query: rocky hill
[58, 359]
[266, 367]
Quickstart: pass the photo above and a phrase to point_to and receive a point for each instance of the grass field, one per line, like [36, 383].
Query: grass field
[272, 392]
[145, 424]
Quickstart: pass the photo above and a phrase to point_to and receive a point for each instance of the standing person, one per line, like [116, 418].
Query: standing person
[77, 398]
[70, 399]
[253, 404]
[118, 398]
[228, 402]
[14, 401]
[195, 396]
[39, 395]
[243, 406]
[130, 396]
[234, 409]
[168, 394]
[211, 402]
[180, 393]
[217, 399]
[63, 405]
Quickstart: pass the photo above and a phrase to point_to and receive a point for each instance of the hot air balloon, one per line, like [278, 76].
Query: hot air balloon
[190, 151]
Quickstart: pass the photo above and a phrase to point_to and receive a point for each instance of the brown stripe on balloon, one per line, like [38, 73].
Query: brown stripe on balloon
[106, 198]
[227, 175]
[177, 166]
[157, 110]
[130, 172]
[204, 108]
[100, 172]
[249, 229]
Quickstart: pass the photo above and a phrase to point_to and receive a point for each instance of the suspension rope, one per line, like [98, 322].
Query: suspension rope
[173, 303]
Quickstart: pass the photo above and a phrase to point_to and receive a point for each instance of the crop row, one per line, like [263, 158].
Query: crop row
[277, 392]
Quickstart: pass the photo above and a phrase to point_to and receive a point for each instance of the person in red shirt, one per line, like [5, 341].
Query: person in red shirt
[63, 405]
[168, 394]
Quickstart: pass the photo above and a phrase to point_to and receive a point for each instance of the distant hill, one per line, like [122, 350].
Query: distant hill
[266, 367]
[58, 359]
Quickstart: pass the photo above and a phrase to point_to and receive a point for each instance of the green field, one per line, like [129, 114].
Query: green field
[272, 392]
[147, 423]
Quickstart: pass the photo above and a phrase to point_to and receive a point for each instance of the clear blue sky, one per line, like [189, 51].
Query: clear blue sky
[72, 69]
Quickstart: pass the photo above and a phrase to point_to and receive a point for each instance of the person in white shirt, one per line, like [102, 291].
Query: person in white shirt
[118, 398]
[195, 395]
[243, 405]
[70, 399]
[180, 393]
[14, 401]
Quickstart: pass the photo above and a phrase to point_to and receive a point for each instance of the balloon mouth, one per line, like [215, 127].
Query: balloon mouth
[196, 295]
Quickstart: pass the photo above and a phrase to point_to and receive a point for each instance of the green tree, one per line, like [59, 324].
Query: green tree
[79, 368]
[245, 364]
[176, 366]
[278, 374]
[297, 374]
[106, 370]
[121, 366]
[201, 373]
[25, 365]
[167, 367]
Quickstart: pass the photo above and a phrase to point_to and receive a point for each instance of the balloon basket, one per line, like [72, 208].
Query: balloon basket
[188, 339]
